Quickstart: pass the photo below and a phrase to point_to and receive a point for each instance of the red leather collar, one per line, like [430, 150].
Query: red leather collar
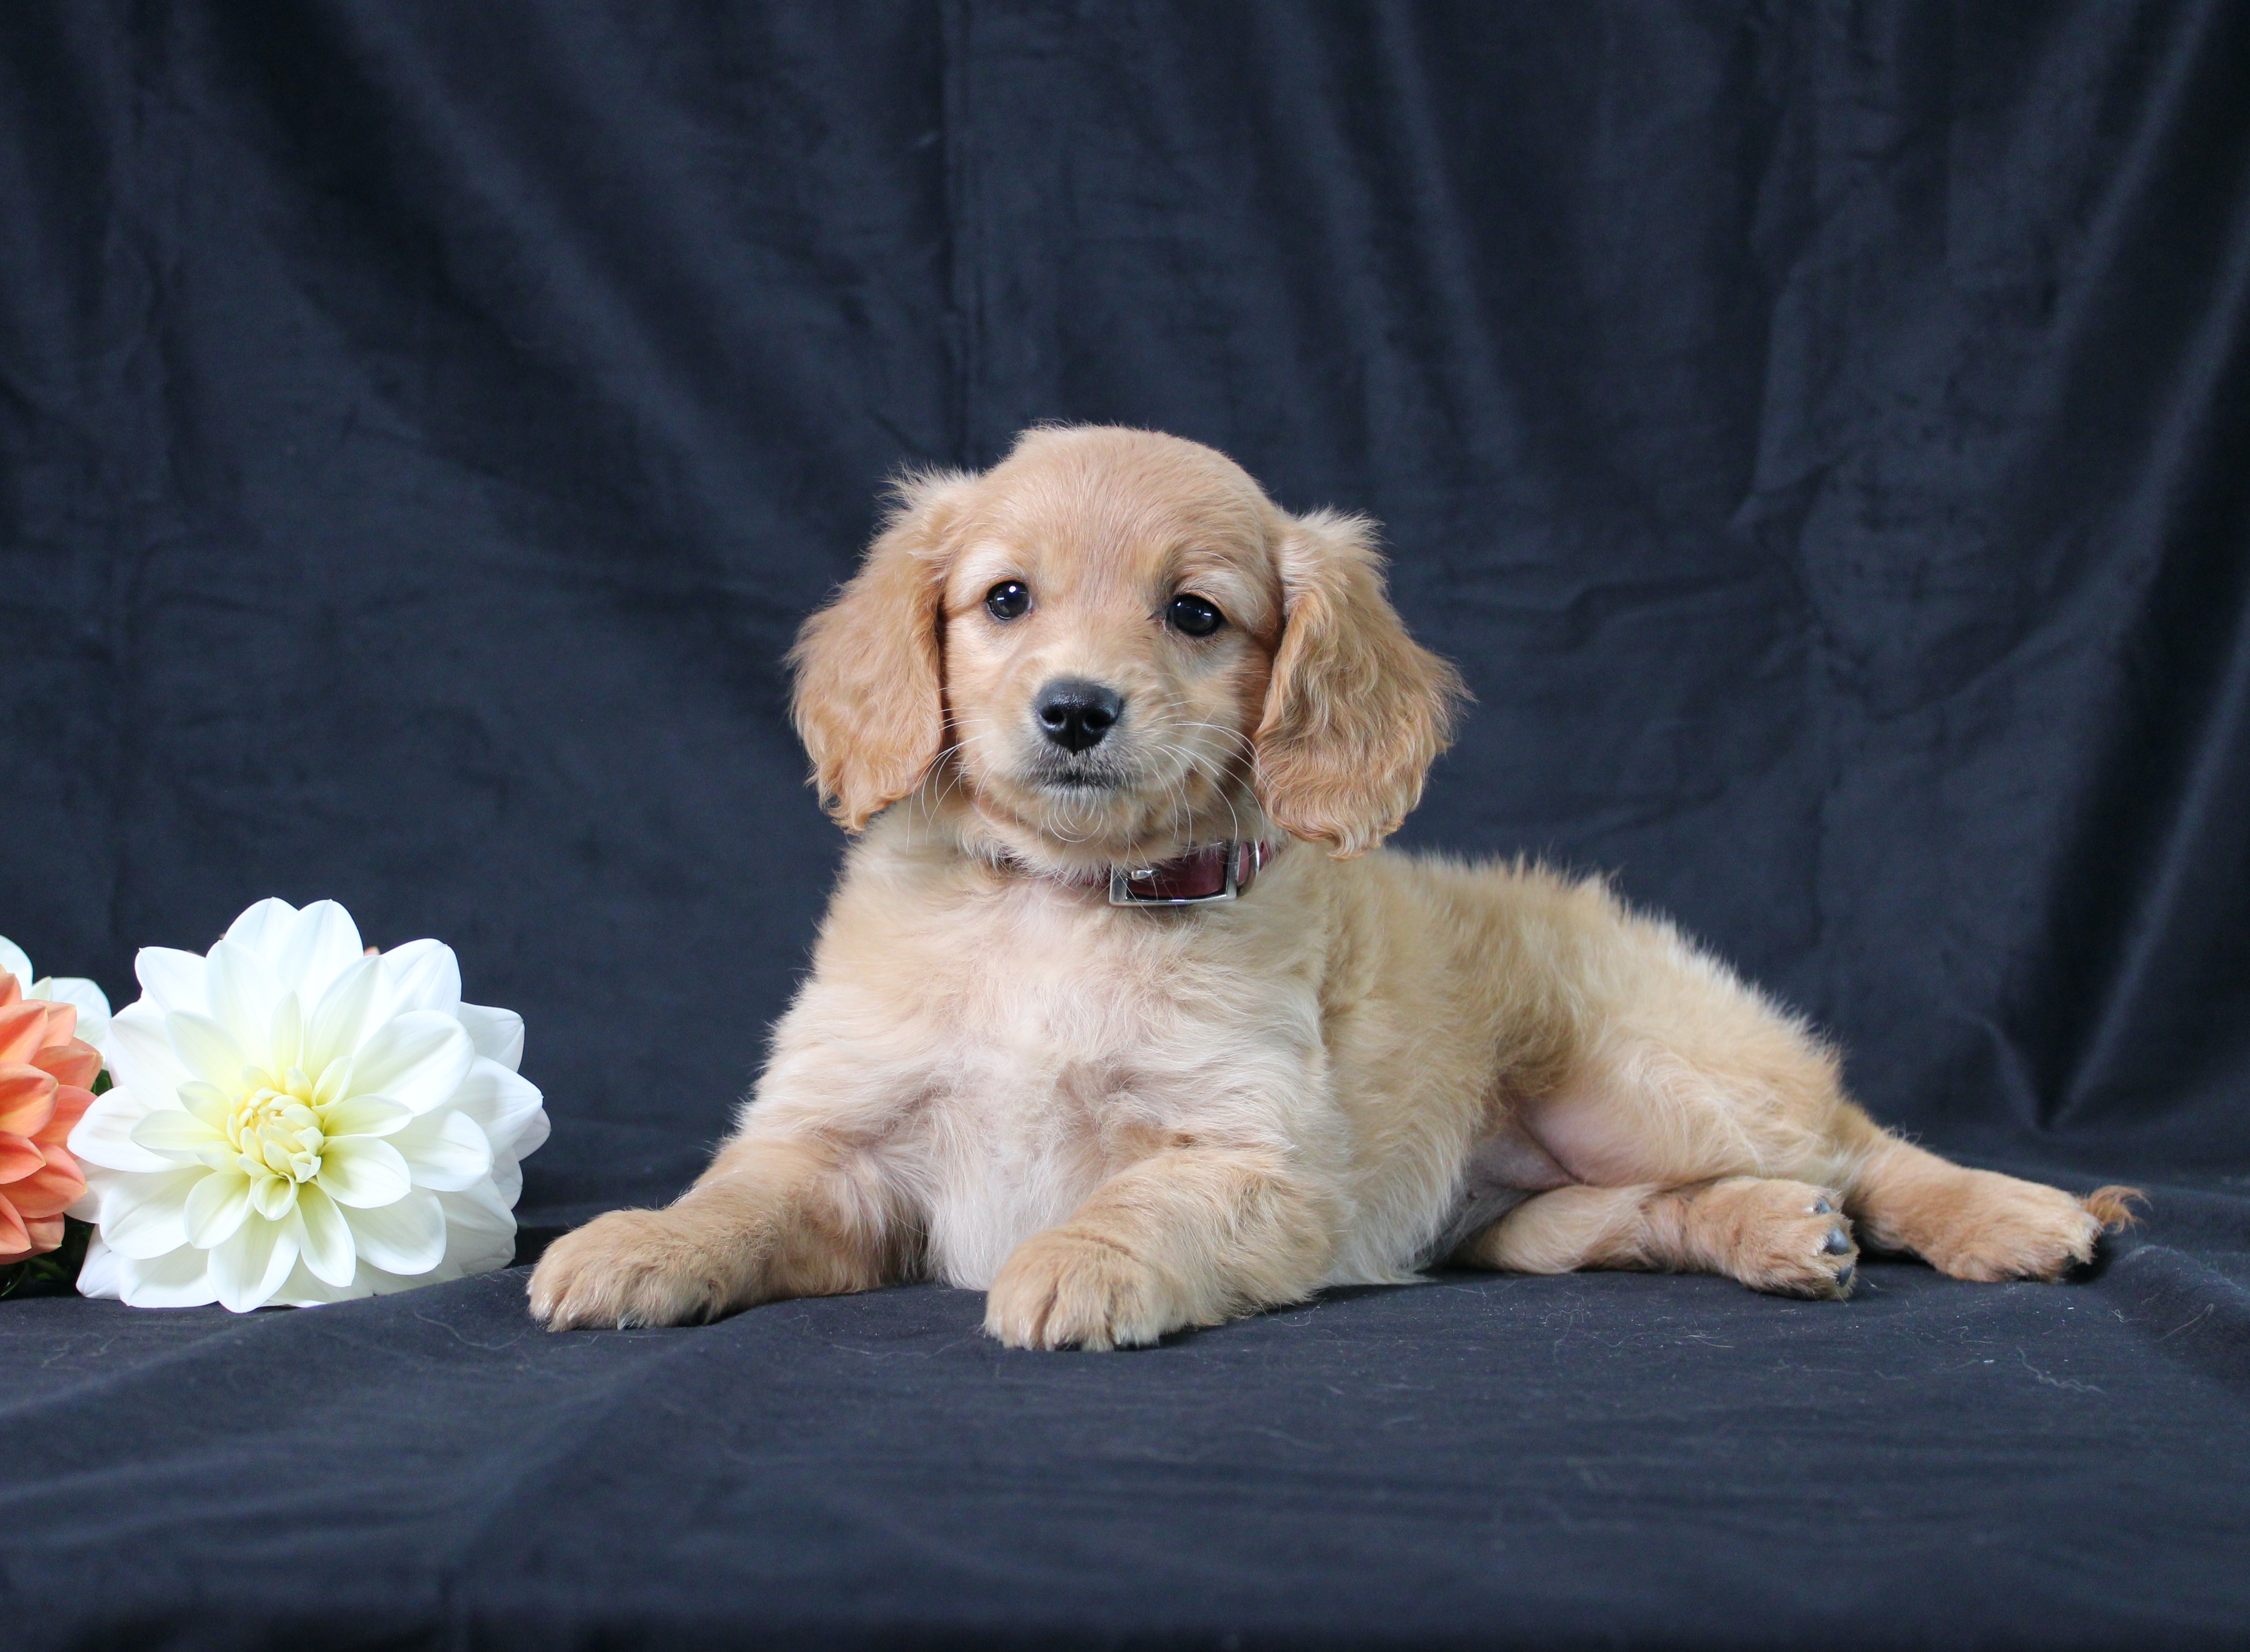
[1222, 871]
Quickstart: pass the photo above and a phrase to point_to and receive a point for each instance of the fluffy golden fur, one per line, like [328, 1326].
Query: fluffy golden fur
[1120, 1122]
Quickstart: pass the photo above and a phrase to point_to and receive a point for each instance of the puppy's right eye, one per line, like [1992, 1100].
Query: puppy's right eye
[1010, 599]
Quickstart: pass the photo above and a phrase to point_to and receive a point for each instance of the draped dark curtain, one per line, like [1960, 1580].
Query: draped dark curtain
[1817, 429]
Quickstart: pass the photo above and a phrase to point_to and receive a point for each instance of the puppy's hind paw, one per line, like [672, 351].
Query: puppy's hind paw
[1981, 1226]
[625, 1269]
[1789, 1238]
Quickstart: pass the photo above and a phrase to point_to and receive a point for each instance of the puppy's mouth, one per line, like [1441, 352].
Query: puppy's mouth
[1076, 779]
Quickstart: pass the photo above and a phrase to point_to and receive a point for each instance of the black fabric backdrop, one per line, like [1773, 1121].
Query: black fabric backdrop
[1819, 432]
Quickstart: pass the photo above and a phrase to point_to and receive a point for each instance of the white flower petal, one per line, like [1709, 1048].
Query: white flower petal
[216, 1207]
[444, 1150]
[503, 1103]
[364, 1115]
[263, 929]
[479, 1231]
[89, 1001]
[171, 979]
[13, 961]
[104, 1135]
[140, 1053]
[418, 1060]
[303, 1289]
[144, 1216]
[177, 1279]
[335, 1083]
[323, 943]
[535, 1131]
[423, 974]
[273, 1197]
[507, 1186]
[329, 1253]
[206, 1050]
[340, 1014]
[408, 1237]
[285, 1035]
[363, 1172]
[242, 990]
[498, 1034]
[249, 1267]
[175, 1133]
[208, 1102]
[97, 1274]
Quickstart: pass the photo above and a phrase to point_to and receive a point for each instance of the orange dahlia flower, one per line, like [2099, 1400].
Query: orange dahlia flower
[45, 1072]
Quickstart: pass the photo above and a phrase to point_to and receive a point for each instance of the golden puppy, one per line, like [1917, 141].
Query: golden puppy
[1120, 1015]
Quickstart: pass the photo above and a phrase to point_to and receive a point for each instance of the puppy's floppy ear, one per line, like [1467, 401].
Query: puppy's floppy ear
[1355, 709]
[868, 703]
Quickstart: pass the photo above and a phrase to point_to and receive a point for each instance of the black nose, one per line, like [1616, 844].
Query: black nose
[1075, 714]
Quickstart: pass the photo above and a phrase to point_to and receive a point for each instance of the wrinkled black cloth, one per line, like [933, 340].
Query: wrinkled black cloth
[1819, 432]
[1593, 1461]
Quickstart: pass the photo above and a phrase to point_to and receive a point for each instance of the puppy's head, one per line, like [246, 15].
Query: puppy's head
[1112, 647]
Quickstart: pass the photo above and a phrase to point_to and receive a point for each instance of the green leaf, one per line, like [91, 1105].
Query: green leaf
[54, 1274]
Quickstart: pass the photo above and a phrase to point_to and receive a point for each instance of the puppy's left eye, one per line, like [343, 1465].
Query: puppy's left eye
[1194, 616]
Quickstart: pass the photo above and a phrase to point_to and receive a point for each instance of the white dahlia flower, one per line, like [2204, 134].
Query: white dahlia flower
[294, 1123]
[91, 1002]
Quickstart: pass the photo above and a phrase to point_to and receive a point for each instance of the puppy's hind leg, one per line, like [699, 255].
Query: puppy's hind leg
[1789, 1238]
[1702, 1151]
[773, 1217]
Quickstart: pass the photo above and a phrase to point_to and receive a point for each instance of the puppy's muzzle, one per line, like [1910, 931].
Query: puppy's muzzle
[1075, 714]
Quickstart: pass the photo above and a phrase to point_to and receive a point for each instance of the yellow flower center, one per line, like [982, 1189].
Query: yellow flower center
[275, 1131]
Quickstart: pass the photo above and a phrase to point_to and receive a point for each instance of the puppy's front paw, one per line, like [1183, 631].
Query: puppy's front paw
[1062, 1290]
[630, 1267]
